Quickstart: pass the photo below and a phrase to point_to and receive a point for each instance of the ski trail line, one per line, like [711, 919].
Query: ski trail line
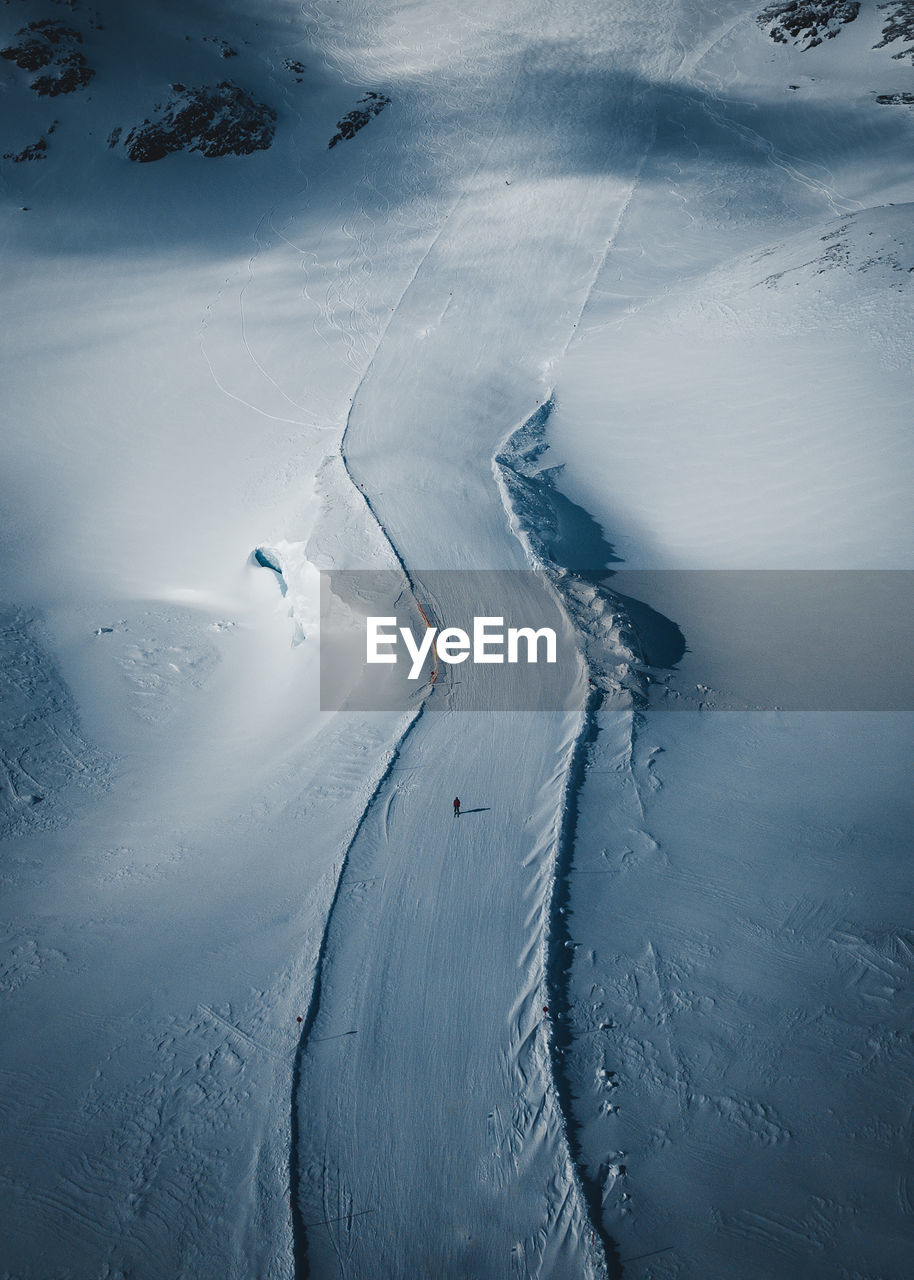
[561, 841]
[299, 1241]
[446, 1121]
[548, 941]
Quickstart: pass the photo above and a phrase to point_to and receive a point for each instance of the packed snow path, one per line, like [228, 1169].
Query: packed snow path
[429, 1139]
[426, 1107]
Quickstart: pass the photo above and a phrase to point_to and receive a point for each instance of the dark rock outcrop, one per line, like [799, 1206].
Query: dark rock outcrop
[899, 25]
[50, 46]
[216, 120]
[370, 105]
[807, 22]
[34, 151]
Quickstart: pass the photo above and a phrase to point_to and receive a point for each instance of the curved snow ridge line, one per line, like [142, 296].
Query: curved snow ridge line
[556, 941]
[526, 443]
[611, 649]
[359, 488]
[299, 1229]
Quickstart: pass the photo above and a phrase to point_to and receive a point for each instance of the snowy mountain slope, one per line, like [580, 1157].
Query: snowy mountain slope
[738, 397]
[811, 330]
[162, 930]
[742, 928]
[193, 337]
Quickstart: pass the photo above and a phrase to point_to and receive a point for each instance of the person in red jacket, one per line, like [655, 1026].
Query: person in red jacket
[456, 808]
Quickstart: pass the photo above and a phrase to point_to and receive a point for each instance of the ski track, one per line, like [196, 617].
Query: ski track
[373, 1192]
[538, 1042]
[529, 1032]
[525, 1096]
[537, 1110]
[539, 1096]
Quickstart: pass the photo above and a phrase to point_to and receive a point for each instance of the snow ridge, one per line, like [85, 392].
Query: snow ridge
[600, 621]
[612, 651]
[401, 563]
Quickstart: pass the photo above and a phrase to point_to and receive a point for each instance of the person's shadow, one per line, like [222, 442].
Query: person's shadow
[485, 810]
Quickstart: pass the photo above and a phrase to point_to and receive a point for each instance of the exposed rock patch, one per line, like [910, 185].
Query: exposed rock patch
[370, 105]
[216, 120]
[50, 46]
[854, 246]
[807, 22]
[34, 151]
[223, 46]
[899, 25]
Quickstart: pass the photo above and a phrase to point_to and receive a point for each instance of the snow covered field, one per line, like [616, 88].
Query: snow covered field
[575, 287]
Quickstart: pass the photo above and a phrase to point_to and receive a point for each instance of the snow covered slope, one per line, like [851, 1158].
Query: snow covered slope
[172, 391]
[739, 398]
[270, 1009]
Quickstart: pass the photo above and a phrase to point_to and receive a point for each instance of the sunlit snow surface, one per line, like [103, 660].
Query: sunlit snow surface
[693, 1049]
